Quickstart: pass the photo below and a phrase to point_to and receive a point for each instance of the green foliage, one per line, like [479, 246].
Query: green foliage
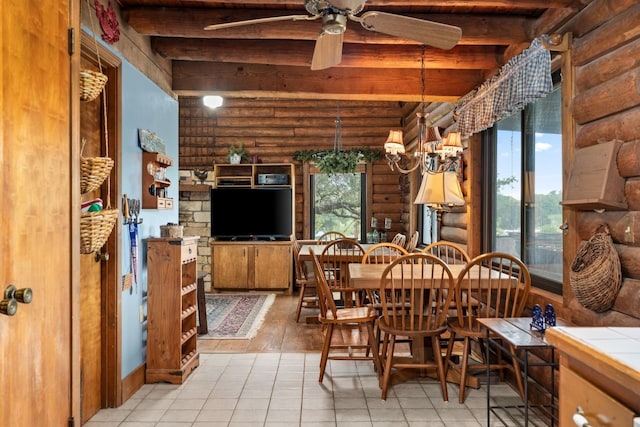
[240, 150]
[337, 203]
[333, 161]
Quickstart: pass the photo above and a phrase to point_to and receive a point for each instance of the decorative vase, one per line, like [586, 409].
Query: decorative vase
[235, 159]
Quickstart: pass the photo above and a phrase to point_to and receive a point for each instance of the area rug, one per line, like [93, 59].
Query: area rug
[236, 316]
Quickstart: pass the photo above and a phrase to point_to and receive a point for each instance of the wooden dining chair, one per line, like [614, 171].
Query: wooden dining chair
[399, 239]
[449, 252]
[413, 242]
[349, 321]
[305, 280]
[330, 236]
[415, 291]
[335, 259]
[380, 253]
[503, 294]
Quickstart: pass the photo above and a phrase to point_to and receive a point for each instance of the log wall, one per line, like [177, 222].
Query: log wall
[273, 130]
[606, 106]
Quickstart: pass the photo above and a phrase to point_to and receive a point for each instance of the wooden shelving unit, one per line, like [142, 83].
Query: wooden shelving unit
[155, 185]
[256, 265]
[249, 175]
[172, 352]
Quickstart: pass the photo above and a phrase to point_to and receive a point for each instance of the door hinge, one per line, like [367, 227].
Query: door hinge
[72, 39]
[72, 422]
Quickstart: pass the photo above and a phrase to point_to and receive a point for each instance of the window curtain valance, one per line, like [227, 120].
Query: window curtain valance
[524, 79]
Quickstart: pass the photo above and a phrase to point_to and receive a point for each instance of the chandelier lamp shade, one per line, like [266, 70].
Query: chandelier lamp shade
[394, 144]
[440, 190]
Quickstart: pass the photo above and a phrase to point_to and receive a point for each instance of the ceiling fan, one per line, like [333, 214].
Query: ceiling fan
[334, 14]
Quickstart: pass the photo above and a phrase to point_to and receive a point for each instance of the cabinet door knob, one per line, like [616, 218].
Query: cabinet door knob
[579, 419]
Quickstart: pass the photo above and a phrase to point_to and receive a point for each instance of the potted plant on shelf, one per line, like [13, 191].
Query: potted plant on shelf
[235, 155]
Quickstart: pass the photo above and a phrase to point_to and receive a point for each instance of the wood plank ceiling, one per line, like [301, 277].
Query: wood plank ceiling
[272, 60]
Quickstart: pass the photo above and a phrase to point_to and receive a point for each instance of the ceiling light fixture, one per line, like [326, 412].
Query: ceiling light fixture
[438, 159]
[212, 101]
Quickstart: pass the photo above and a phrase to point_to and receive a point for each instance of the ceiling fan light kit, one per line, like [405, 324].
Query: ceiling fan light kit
[328, 49]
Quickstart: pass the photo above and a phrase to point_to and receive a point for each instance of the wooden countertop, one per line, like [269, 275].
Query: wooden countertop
[609, 357]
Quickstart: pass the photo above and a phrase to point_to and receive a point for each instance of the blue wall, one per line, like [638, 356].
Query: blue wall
[146, 106]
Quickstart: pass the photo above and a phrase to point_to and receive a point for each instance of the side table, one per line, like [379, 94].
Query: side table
[512, 335]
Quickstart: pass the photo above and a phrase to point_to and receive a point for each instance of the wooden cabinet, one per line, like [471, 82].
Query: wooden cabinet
[599, 373]
[252, 265]
[255, 175]
[155, 184]
[171, 309]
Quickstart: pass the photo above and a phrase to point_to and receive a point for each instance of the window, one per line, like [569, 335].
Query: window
[338, 204]
[524, 189]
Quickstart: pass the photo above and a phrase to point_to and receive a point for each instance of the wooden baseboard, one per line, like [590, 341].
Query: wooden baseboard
[132, 383]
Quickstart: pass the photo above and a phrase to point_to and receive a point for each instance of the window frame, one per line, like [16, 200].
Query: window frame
[489, 180]
[309, 169]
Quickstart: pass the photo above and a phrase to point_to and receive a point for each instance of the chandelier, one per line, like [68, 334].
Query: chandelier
[438, 158]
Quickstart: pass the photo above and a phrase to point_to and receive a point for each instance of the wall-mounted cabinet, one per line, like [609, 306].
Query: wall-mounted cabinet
[595, 182]
[155, 184]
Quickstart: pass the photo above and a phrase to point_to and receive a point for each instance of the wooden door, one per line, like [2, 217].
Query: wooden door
[91, 125]
[36, 192]
[273, 266]
[230, 266]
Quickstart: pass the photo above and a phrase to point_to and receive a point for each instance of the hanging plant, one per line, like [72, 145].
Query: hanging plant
[338, 161]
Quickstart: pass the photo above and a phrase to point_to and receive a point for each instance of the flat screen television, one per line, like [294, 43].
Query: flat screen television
[251, 213]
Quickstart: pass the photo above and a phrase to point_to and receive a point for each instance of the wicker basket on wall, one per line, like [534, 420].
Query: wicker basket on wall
[93, 171]
[91, 84]
[596, 274]
[95, 228]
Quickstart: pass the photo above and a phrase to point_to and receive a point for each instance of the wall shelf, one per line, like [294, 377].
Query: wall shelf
[155, 185]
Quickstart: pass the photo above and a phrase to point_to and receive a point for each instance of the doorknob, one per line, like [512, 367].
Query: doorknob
[8, 306]
[24, 295]
[102, 257]
[12, 295]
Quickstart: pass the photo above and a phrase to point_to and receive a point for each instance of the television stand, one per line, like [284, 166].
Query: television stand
[252, 265]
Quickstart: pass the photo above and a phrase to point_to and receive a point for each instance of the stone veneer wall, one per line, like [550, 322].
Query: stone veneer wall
[195, 216]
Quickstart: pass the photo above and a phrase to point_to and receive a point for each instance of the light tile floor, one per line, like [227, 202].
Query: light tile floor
[282, 389]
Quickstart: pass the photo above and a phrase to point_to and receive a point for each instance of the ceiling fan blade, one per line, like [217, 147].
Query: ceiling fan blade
[436, 34]
[328, 51]
[262, 21]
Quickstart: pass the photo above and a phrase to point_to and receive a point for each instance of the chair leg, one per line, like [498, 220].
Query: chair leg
[300, 300]
[437, 355]
[388, 363]
[448, 360]
[373, 343]
[325, 350]
[463, 369]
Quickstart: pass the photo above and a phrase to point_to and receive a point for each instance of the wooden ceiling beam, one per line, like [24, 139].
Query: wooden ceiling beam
[190, 22]
[383, 4]
[299, 53]
[192, 78]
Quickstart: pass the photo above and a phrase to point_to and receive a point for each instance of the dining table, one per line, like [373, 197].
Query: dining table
[305, 252]
[368, 277]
